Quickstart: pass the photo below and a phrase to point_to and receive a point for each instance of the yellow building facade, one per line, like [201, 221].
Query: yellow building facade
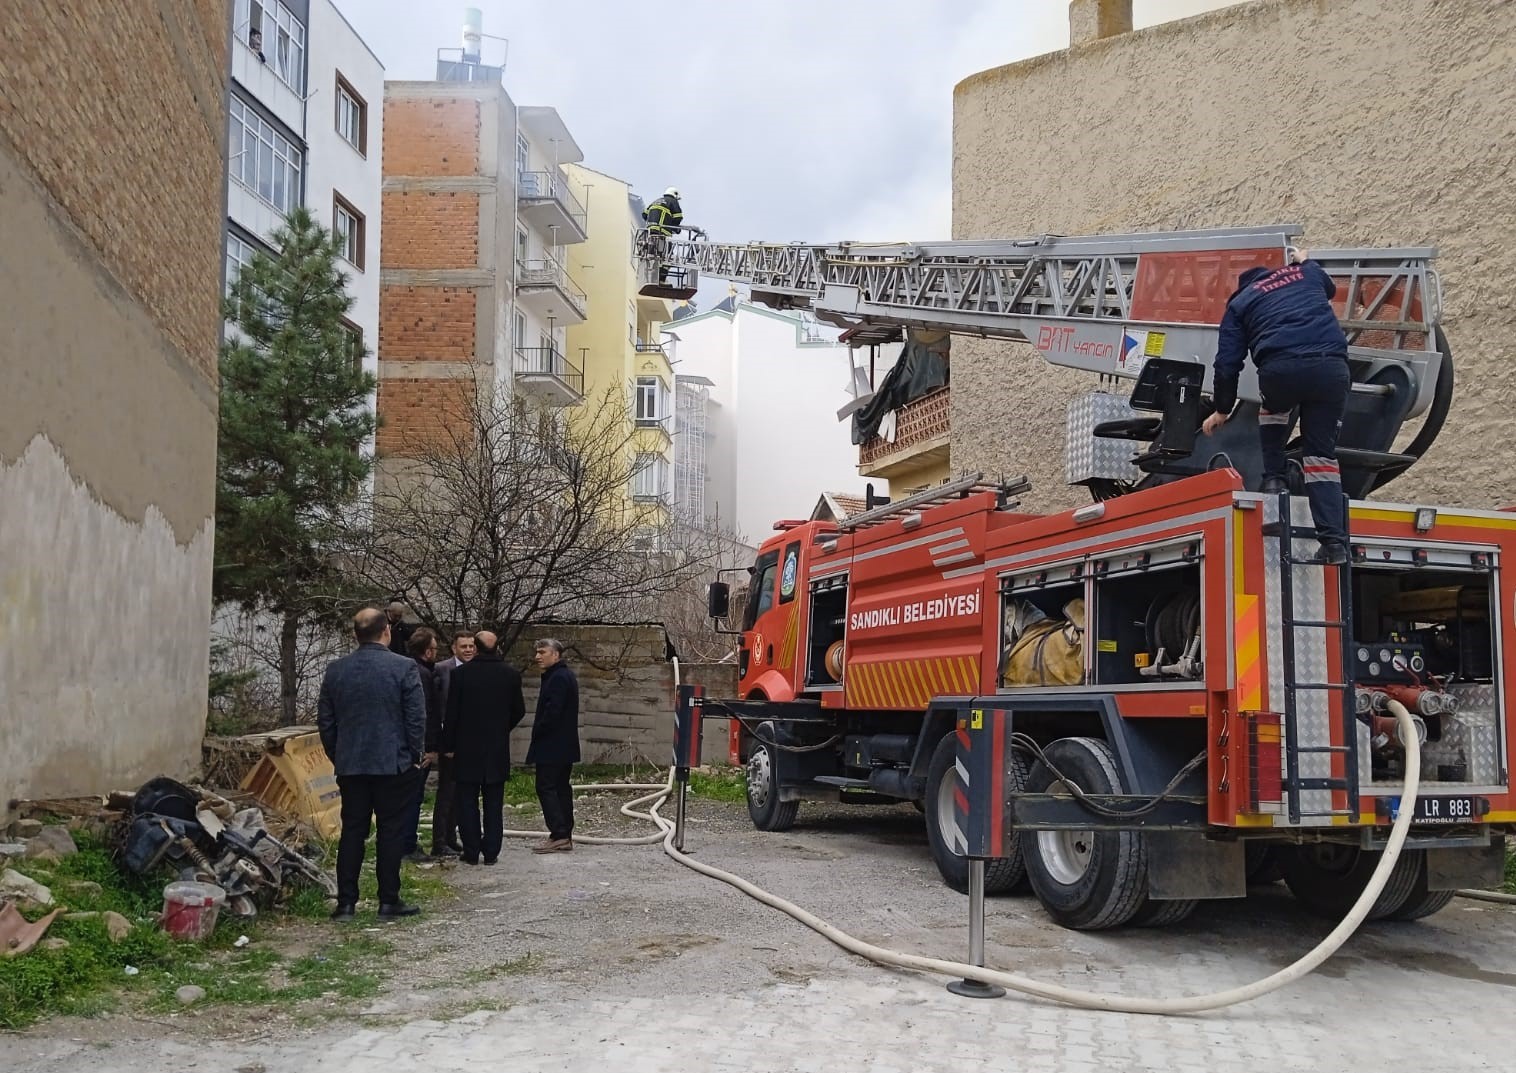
[618, 343]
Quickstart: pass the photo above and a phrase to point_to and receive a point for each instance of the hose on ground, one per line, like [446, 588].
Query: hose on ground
[1089, 1000]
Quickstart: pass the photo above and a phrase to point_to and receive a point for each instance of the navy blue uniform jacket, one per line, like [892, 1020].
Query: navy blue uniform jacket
[1275, 314]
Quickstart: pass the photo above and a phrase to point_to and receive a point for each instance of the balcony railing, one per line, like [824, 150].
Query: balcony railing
[921, 425]
[542, 362]
[553, 186]
[546, 272]
[651, 348]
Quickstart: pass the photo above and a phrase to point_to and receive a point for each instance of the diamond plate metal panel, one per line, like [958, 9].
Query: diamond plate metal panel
[1475, 732]
[1089, 457]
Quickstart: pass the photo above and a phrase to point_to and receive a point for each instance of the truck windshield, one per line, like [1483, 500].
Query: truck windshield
[760, 596]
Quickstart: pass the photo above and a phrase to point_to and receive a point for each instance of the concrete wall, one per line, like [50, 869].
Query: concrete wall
[112, 178]
[626, 693]
[1370, 122]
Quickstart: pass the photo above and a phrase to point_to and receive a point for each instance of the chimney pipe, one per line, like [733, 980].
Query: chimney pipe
[473, 33]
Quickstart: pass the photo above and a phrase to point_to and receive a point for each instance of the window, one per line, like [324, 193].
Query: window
[238, 253]
[520, 333]
[652, 401]
[631, 322]
[523, 155]
[277, 36]
[356, 349]
[347, 225]
[650, 478]
[760, 594]
[352, 116]
[523, 244]
[262, 159]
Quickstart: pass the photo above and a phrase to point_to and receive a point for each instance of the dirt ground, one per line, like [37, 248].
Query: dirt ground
[615, 923]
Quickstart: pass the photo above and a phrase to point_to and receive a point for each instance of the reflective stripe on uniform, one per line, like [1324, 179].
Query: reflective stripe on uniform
[1266, 418]
[1318, 469]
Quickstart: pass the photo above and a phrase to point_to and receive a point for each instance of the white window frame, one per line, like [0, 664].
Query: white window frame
[347, 224]
[264, 162]
[650, 476]
[523, 244]
[238, 254]
[350, 120]
[649, 398]
[523, 155]
[519, 331]
[283, 40]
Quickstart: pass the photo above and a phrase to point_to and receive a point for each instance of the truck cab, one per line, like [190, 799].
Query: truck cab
[770, 663]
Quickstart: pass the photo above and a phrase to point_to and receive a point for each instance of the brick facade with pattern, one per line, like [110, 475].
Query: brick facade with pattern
[430, 229]
[426, 323]
[431, 137]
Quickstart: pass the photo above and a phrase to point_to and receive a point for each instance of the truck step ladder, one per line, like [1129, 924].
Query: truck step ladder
[1339, 694]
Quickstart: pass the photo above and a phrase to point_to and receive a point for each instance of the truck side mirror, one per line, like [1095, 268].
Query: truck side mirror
[718, 599]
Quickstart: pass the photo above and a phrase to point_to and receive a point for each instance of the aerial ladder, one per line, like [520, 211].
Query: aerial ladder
[1143, 307]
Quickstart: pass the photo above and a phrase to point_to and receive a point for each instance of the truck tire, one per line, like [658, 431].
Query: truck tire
[1156, 914]
[1327, 878]
[1086, 880]
[763, 805]
[1421, 902]
[1262, 864]
[1001, 874]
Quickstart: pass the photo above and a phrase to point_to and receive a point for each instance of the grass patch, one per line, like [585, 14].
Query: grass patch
[1510, 872]
[89, 976]
[721, 782]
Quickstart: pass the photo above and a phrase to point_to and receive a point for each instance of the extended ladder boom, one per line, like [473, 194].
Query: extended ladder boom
[1103, 304]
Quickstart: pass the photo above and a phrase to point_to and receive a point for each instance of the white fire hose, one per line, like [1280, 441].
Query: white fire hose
[1089, 1000]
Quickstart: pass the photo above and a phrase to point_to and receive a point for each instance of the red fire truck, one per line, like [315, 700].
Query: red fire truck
[1193, 697]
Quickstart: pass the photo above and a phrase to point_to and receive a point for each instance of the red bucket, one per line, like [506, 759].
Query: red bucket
[190, 909]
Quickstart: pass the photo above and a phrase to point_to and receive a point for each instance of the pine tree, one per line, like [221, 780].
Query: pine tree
[294, 420]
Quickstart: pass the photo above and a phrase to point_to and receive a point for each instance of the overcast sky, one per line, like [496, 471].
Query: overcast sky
[815, 120]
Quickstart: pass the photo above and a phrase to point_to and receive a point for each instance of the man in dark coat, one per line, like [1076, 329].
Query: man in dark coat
[422, 647]
[484, 705]
[555, 745]
[444, 818]
[372, 719]
[400, 630]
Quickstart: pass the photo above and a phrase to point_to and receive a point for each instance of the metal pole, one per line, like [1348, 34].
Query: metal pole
[684, 782]
[973, 988]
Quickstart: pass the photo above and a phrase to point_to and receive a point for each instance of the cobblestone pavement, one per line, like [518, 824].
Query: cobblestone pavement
[663, 970]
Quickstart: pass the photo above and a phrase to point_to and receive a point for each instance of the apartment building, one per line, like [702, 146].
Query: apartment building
[305, 126]
[619, 343]
[478, 213]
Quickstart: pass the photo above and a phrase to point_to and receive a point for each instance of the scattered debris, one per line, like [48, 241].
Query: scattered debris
[208, 840]
[131, 970]
[190, 909]
[189, 994]
[117, 926]
[9, 850]
[23, 888]
[253, 1067]
[242, 940]
[56, 840]
[17, 936]
[286, 770]
[83, 888]
[27, 828]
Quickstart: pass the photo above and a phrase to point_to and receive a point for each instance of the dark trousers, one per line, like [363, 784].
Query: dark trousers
[413, 816]
[444, 823]
[387, 799]
[476, 842]
[1316, 386]
[557, 799]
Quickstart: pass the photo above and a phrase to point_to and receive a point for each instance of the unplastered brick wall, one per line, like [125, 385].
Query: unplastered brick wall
[430, 229]
[1369, 122]
[426, 323]
[417, 411]
[119, 110]
[626, 692]
[438, 136]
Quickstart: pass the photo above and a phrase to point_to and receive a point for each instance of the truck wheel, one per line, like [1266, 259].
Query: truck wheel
[1086, 880]
[763, 805]
[1156, 914]
[1001, 874]
[1327, 878]
[1422, 902]
[1262, 864]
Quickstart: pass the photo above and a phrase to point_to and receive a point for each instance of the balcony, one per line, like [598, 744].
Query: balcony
[544, 287]
[547, 201]
[921, 440]
[547, 374]
[651, 348]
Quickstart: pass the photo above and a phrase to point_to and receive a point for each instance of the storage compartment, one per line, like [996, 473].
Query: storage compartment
[1424, 636]
[1148, 625]
[1042, 627]
[828, 619]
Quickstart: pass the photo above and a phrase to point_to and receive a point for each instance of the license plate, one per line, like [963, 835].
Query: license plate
[1461, 809]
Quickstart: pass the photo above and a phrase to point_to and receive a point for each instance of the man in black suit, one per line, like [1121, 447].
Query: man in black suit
[444, 822]
[555, 746]
[372, 718]
[484, 704]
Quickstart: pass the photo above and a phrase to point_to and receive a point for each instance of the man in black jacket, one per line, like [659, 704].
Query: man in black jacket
[484, 705]
[372, 719]
[444, 821]
[555, 745]
[422, 647]
[400, 630]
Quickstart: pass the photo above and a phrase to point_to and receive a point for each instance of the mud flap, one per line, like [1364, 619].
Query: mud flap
[1479, 867]
[1184, 865]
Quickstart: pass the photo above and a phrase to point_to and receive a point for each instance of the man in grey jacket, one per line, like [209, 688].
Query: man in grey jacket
[372, 718]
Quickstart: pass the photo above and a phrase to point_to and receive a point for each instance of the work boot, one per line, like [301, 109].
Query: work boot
[1272, 486]
[415, 856]
[344, 912]
[554, 845]
[1334, 552]
[396, 910]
